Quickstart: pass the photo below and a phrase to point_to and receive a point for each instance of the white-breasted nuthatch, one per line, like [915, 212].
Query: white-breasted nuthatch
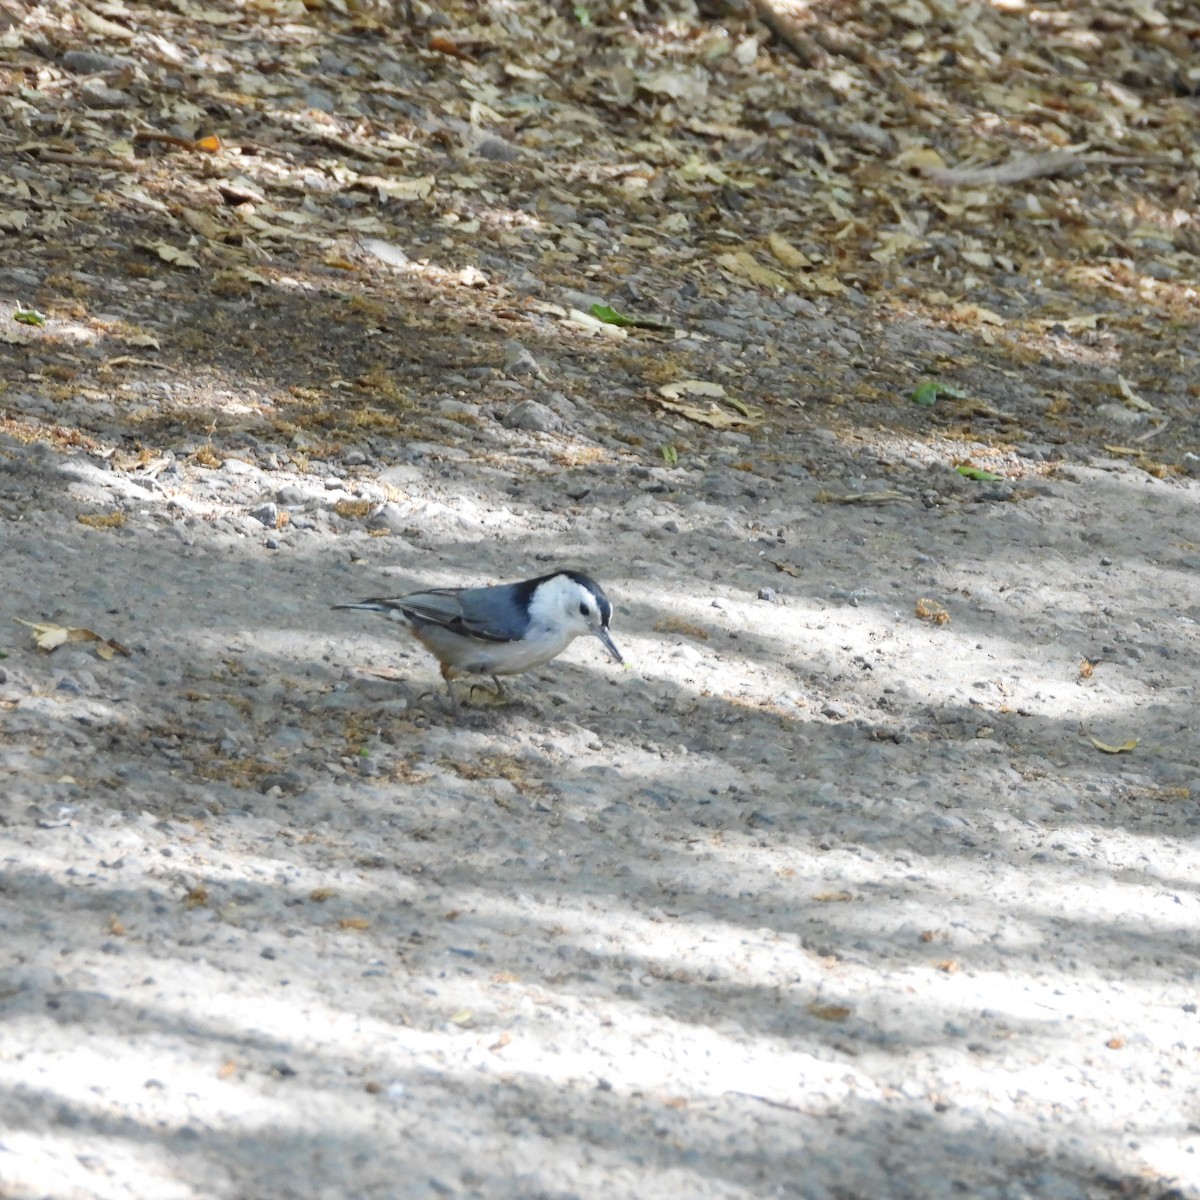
[502, 630]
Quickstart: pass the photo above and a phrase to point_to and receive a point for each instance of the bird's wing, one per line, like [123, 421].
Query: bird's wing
[487, 613]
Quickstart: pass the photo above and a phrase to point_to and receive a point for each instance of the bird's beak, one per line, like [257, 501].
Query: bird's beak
[609, 644]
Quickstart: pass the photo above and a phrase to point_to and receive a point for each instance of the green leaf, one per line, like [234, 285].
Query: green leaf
[977, 473]
[29, 316]
[927, 392]
[670, 455]
[582, 14]
[610, 316]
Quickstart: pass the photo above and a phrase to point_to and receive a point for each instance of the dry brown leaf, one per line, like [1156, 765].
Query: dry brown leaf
[48, 636]
[109, 520]
[931, 610]
[976, 312]
[353, 508]
[787, 568]
[172, 254]
[745, 266]
[869, 499]
[201, 223]
[691, 387]
[102, 27]
[1016, 170]
[830, 1012]
[711, 415]
[354, 923]
[789, 255]
[1123, 748]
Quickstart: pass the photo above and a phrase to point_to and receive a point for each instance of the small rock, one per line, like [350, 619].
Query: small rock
[518, 360]
[290, 494]
[834, 711]
[532, 417]
[725, 330]
[403, 475]
[267, 513]
[391, 517]
[92, 62]
[96, 94]
[495, 150]
[1119, 416]
[767, 594]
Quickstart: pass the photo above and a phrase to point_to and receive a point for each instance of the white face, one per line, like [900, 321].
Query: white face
[566, 606]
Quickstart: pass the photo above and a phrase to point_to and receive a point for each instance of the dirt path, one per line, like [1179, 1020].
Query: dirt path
[874, 875]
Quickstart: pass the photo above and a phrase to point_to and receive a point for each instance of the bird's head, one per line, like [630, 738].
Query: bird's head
[576, 604]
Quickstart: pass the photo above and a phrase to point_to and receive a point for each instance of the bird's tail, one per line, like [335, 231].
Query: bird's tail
[389, 608]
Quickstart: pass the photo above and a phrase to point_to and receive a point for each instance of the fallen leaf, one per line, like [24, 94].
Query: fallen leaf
[48, 636]
[171, 254]
[789, 255]
[711, 415]
[354, 923]
[833, 897]
[931, 610]
[886, 496]
[1123, 748]
[830, 1012]
[691, 387]
[976, 312]
[594, 325]
[102, 27]
[109, 520]
[969, 472]
[927, 392]
[745, 266]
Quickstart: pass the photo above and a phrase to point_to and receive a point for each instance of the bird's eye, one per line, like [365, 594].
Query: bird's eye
[583, 608]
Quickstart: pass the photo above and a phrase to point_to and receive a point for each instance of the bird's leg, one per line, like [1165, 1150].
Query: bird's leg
[448, 676]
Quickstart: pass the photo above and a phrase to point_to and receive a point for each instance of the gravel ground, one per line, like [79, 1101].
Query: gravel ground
[817, 899]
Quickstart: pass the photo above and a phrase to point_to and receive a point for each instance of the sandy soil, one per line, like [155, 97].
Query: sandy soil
[817, 899]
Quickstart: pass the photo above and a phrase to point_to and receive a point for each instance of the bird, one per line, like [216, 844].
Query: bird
[505, 629]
